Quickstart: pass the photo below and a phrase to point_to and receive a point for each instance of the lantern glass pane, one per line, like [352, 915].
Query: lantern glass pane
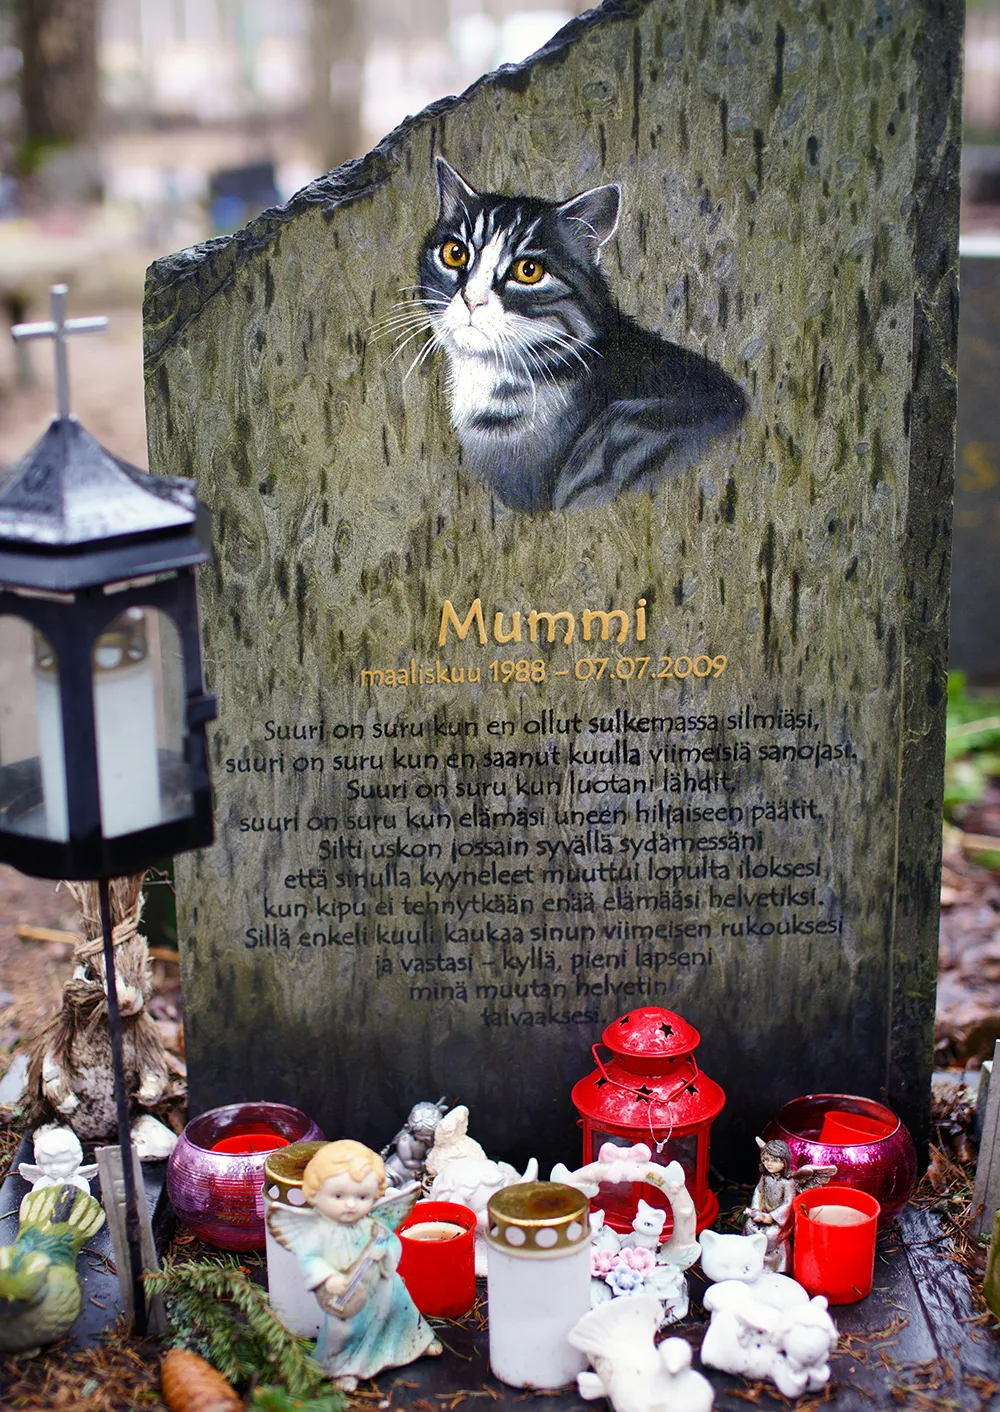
[138, 680]
[32, 752]
[620, 1199]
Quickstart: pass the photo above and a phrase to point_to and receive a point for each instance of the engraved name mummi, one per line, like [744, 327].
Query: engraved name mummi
[615, 624]
[534, 625]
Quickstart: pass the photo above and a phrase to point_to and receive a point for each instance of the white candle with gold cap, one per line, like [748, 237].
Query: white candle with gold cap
[538, 1282]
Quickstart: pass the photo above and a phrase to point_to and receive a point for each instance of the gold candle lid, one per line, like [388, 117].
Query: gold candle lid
[284, 1169]
[536, 1218]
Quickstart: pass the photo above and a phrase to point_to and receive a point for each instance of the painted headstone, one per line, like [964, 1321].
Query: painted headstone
[975, 579]
[580, 463]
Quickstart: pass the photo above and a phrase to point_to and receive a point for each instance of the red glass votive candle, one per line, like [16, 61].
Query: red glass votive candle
[833, 1252]
[438, 1265]
[256, 1140]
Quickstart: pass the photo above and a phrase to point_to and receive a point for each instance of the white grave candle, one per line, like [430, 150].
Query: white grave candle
[538, 1282]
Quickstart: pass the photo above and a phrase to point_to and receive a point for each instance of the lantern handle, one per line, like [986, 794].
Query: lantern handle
[663, 1102]
[597, 1060]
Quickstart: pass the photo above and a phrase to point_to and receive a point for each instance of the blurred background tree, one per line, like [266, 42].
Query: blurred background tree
[59, 74]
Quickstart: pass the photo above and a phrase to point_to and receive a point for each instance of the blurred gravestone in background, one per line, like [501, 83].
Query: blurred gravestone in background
[452, 849]
[975, 639]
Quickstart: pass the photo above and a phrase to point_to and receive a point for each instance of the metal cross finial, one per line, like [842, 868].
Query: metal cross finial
[57, 328]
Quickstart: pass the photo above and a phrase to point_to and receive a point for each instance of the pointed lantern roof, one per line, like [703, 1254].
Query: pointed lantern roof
[74, 515]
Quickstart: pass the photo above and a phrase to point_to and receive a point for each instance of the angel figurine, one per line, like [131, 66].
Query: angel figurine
[58, 1159]
[345, 1242]
[770, 1209]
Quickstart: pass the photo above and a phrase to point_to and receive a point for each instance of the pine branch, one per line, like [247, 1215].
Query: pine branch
[216, 1310]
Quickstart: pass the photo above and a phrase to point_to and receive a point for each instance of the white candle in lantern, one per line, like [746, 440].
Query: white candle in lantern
[124, 725]
[48, 712]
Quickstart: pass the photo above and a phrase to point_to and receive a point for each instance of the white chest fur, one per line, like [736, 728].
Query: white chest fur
[491, 400]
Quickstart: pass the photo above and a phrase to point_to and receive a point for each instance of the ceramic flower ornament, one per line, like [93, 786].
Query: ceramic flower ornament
[345, 1242]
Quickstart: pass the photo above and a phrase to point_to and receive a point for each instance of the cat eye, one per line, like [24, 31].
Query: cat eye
[454, 255]
[527, 271]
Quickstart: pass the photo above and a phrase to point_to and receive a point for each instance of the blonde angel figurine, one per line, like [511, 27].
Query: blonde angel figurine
[346, 1246]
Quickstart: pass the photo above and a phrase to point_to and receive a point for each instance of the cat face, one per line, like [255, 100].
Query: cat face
[732, 1257]
[648, 1220]
[516, 280]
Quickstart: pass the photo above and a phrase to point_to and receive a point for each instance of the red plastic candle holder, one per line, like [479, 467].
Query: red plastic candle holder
[215, 1175]
[835, 1260]
[440, 1273]
[884, 1166]
[846, 1129]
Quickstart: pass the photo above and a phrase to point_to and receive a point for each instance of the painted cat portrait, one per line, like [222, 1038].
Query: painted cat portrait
[559, 400]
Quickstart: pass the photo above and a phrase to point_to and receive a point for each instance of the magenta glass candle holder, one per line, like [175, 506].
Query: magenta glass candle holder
[883, 1166]
[215, 1187]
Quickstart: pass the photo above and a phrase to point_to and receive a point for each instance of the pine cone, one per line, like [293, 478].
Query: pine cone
[192, 1385]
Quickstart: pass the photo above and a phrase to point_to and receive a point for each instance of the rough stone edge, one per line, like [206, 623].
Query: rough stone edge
[179, 286]
[926, 565]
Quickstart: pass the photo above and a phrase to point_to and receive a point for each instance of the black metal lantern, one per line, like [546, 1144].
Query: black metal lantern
[103, 763]
[103, 759]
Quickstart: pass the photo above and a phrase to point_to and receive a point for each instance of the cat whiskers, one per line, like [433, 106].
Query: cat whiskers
[435, 341]
[565, 345]
[407, 321]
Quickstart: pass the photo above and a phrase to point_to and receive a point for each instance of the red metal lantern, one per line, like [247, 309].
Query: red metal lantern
[651, 1091]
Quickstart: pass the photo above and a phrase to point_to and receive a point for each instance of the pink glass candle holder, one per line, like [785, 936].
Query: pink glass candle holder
[834, 1243]
[438, 1264]
[884, 1166]
[215, 1174]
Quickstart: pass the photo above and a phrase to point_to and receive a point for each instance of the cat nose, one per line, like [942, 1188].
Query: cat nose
[474, 301]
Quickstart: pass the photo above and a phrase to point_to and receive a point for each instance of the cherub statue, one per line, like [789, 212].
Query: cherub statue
[58, 1160]
[452, 1143]
[471, 1181]
[404, 1156]
[770, 1209]
[345, 1242]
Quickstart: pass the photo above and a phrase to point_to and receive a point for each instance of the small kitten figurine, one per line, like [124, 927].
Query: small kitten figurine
[647, 1227]
[560, 400]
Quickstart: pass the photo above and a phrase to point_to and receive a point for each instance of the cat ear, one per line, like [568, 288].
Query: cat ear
[596, 212]
[453, 192]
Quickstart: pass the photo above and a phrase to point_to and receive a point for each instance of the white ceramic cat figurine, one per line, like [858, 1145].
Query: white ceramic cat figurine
[790, 1347]
[602, 1236]
[647, 1227]
[734, 1262]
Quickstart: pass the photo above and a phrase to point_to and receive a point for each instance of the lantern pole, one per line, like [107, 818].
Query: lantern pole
[121, 1104]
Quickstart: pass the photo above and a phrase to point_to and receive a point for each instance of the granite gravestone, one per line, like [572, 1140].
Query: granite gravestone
[579, 611]
[975, 580]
